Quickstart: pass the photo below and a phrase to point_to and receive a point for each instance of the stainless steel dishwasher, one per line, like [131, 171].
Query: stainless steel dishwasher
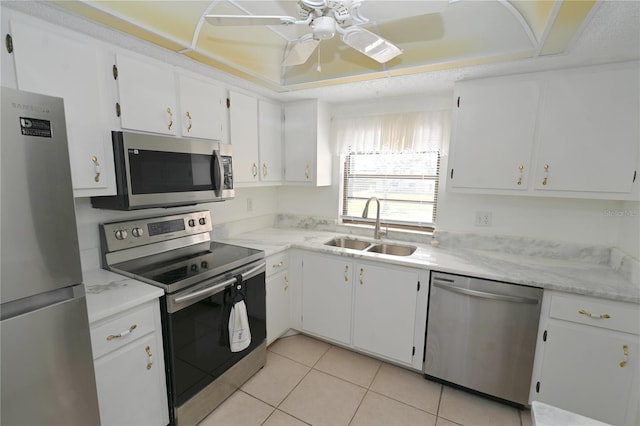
[481, 335]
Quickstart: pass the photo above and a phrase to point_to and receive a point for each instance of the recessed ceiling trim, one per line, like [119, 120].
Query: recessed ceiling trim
[523, 22]
[134, 22]
[545, 35]
[196, 32]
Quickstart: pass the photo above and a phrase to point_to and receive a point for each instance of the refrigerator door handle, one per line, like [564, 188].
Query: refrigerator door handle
[22, 306]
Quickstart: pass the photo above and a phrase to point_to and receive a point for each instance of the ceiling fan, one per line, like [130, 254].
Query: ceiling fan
[324, 18]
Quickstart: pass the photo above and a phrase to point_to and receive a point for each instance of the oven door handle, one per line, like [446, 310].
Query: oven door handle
[205, 291]
[254, 271]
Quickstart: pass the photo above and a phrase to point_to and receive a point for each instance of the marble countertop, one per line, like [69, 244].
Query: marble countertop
[573, 276]
[109, 293]
[547, 415]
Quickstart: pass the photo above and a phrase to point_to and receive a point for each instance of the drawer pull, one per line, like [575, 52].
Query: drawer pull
[346, 273]
[150, 358]
[122, 334]
[590, 315]
[278, 265]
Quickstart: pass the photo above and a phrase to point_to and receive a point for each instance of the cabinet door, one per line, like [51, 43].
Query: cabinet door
[243, 131]
[202, 108]
[147, 94]
[270, 137]
[494, 127]
[55, 65]
[131, 385]
[581, 371]
[277, 305]
[300, 140]
[326, 296]
[588, 136]
[385, 307]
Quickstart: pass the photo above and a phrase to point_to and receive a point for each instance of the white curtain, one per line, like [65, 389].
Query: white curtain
[392, 133]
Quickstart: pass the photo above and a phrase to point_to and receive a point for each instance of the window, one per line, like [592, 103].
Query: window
[405, 183]
[395, 158]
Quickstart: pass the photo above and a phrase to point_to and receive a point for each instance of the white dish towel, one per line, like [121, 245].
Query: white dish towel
[239, 333]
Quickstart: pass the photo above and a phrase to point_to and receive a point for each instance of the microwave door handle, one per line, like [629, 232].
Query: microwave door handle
[217, 173]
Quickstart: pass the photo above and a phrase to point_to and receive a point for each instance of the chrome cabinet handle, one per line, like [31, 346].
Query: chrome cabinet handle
[625, 352]
[149, 358]
[122, 334]
[96, 168]
[590, 315]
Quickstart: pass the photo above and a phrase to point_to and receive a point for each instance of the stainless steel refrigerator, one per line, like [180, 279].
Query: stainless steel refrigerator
[45, 348]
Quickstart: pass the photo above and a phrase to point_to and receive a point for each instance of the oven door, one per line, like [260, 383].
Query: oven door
[196, 330]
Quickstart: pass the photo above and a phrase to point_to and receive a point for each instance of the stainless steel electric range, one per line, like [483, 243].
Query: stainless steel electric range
[201, 279]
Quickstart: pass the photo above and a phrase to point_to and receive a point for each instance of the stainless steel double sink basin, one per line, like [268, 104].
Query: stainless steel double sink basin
[371, 247]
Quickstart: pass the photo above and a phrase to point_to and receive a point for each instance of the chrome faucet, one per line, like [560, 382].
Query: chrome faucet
[376, 232]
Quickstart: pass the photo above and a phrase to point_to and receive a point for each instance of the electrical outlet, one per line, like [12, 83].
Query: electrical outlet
[249, 204]
[483, 218]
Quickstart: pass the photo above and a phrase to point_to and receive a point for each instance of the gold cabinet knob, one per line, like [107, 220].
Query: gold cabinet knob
[96, 168]
[149, 358]
[189, 122]
[546, 178]
[170, 118]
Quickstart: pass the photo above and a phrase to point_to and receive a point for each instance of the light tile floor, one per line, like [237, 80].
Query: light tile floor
[309, 382]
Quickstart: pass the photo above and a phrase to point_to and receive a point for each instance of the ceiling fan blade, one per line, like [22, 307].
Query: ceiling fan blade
[372, 45]
[300, 52]
[247, 20]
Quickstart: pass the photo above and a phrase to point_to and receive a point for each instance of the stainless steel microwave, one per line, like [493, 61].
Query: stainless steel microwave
[162, 171]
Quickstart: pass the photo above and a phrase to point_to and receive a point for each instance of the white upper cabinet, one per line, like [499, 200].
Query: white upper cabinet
[202, 108]
[589, 130]
[243, 135]
[307, 150]
[57, 63]
[565, 133]
[494, 134]
[146, 95]
[270, 140]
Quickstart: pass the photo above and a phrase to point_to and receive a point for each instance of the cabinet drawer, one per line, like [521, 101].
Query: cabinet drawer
[277, 262]
[117, 331]
[612, 315]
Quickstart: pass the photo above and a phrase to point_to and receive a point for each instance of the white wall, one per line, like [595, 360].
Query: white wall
[234, 215]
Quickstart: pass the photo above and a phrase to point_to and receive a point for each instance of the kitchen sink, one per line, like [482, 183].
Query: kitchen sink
[392, 249]
[349, 243]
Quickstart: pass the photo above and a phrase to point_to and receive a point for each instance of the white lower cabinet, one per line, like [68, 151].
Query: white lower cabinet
[129, 367]
[587, 357]
[278, 299]
[384, 310]
[373, 307]
[326, 296]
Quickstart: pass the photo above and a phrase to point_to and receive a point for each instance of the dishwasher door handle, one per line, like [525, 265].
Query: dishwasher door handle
[483, 294]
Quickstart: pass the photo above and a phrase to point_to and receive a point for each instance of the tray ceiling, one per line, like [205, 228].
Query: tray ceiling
[434, 35]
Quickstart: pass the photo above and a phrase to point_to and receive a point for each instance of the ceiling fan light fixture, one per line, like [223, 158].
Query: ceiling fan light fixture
[370, 44]
[324, 27]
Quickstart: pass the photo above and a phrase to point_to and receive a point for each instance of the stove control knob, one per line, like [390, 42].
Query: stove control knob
[204, 264]
[202, 221]
[121, 234]
[137, 232]
[194, 267]
[192, 222]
